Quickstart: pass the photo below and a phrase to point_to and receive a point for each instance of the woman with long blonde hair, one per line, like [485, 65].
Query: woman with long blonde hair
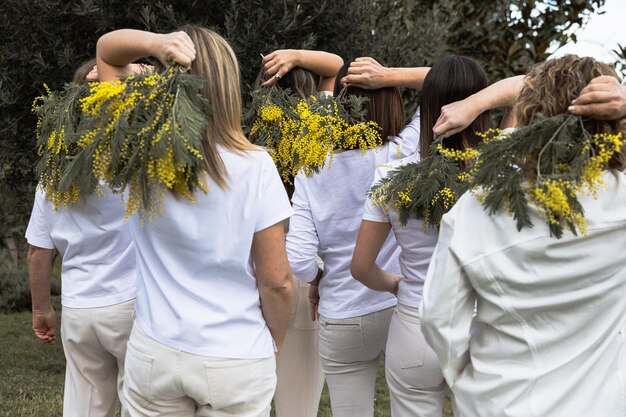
[214, 289]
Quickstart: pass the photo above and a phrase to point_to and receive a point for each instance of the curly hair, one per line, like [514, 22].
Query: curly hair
[550, 87]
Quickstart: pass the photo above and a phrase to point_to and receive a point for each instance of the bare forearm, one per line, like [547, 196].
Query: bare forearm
[377, 279]
[321, 63]
[39, 273]
[276, 308]
[407, 77]
[502, 93]
[121, 47]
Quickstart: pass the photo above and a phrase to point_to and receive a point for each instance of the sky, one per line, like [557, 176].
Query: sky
[601, 34]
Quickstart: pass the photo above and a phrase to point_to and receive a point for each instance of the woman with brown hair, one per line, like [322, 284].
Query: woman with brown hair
[214, 288]
[416, 385]
[354, 320]
[300, 377]
[548, 337]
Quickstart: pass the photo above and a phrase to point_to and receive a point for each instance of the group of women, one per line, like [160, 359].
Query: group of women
[215, 323]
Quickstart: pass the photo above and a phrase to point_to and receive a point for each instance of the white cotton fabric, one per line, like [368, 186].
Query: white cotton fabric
[98, 267]
[328, 210]
[416, 244]
[198, 291]
[549, 337]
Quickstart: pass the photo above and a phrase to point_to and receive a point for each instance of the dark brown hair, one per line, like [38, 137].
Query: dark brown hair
[451, 79]
[300, 81]
[80, 76]
[384, 106]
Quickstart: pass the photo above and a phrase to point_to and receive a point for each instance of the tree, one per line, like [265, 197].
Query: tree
[45, 40]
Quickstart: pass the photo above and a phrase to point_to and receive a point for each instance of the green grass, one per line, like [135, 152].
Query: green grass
[32, 374]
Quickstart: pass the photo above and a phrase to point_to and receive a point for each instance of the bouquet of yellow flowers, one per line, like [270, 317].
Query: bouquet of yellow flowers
[142, 134]
[300, 134]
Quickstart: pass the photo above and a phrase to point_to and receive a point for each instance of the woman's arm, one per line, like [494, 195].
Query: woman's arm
[39, 273]
[324, 64]
[372, 236]
[116, 50]
[603, 98]
[273, 279]
[460, 114]
[448, 307]
[366, 72]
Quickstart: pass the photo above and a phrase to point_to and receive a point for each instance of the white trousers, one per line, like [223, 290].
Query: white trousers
[416, 384]
[350, 350]
[94, 341]
[298, 367]
[166, 382]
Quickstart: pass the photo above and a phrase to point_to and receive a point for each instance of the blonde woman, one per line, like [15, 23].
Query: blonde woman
[549, 334]
[214, 292]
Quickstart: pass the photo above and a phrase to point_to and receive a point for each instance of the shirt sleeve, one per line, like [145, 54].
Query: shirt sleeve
[38, 230]
[274, 204]
[447, 307]
[302, 239]
[409, 137]
[375, 212]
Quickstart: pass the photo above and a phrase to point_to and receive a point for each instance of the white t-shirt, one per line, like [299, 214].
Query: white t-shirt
[197, 290]
[416, 245]
[328, 210]
[98, 267]
[549, 336]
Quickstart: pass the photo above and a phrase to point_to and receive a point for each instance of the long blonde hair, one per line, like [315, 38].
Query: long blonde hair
[216, 61]
[550, 87]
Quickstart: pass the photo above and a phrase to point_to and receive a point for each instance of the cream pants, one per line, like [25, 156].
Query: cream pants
[166, 382]
[298, 367]
[94, 341]
[350, 350]
[416, 384]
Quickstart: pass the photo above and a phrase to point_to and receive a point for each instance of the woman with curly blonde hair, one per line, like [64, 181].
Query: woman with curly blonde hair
[549, 334]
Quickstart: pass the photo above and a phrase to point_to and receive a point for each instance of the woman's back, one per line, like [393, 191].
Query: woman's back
[199, 291]
[551, 323]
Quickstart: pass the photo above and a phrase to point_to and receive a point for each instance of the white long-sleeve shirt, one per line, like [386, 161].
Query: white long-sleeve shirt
[549, 337]
[328, 209]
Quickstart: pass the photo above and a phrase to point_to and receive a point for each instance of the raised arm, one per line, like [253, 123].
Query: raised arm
[324, 64]
[39, 272]
[460, 114]
[366, 72]
[603, 98]
[116, 50]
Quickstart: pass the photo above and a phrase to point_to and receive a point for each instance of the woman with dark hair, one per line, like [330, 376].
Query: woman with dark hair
[549, 334]
[416, 385]
[300, 377]
[354, 320]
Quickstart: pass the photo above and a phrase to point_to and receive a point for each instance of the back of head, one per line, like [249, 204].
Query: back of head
[80, 76]
[451, 79]
[550, 87]
[300, 81]
[216, 61]
[384, 105]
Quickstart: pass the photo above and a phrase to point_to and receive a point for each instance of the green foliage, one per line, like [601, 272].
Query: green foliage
[46, 40]
[14, 290]
[423, 190]
[548, 164]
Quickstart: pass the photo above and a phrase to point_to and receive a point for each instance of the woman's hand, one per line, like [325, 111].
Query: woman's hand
[367, 73]
[603, 98]
[279, 63]
[314, 300]
[455, 117]
[175, 47]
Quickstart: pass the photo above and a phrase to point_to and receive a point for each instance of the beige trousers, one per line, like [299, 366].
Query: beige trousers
[94, 341]
[416, 384]
[350, 350]
[166, 382]
[298, 367]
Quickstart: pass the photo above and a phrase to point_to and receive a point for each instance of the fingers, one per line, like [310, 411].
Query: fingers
[178, 47]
